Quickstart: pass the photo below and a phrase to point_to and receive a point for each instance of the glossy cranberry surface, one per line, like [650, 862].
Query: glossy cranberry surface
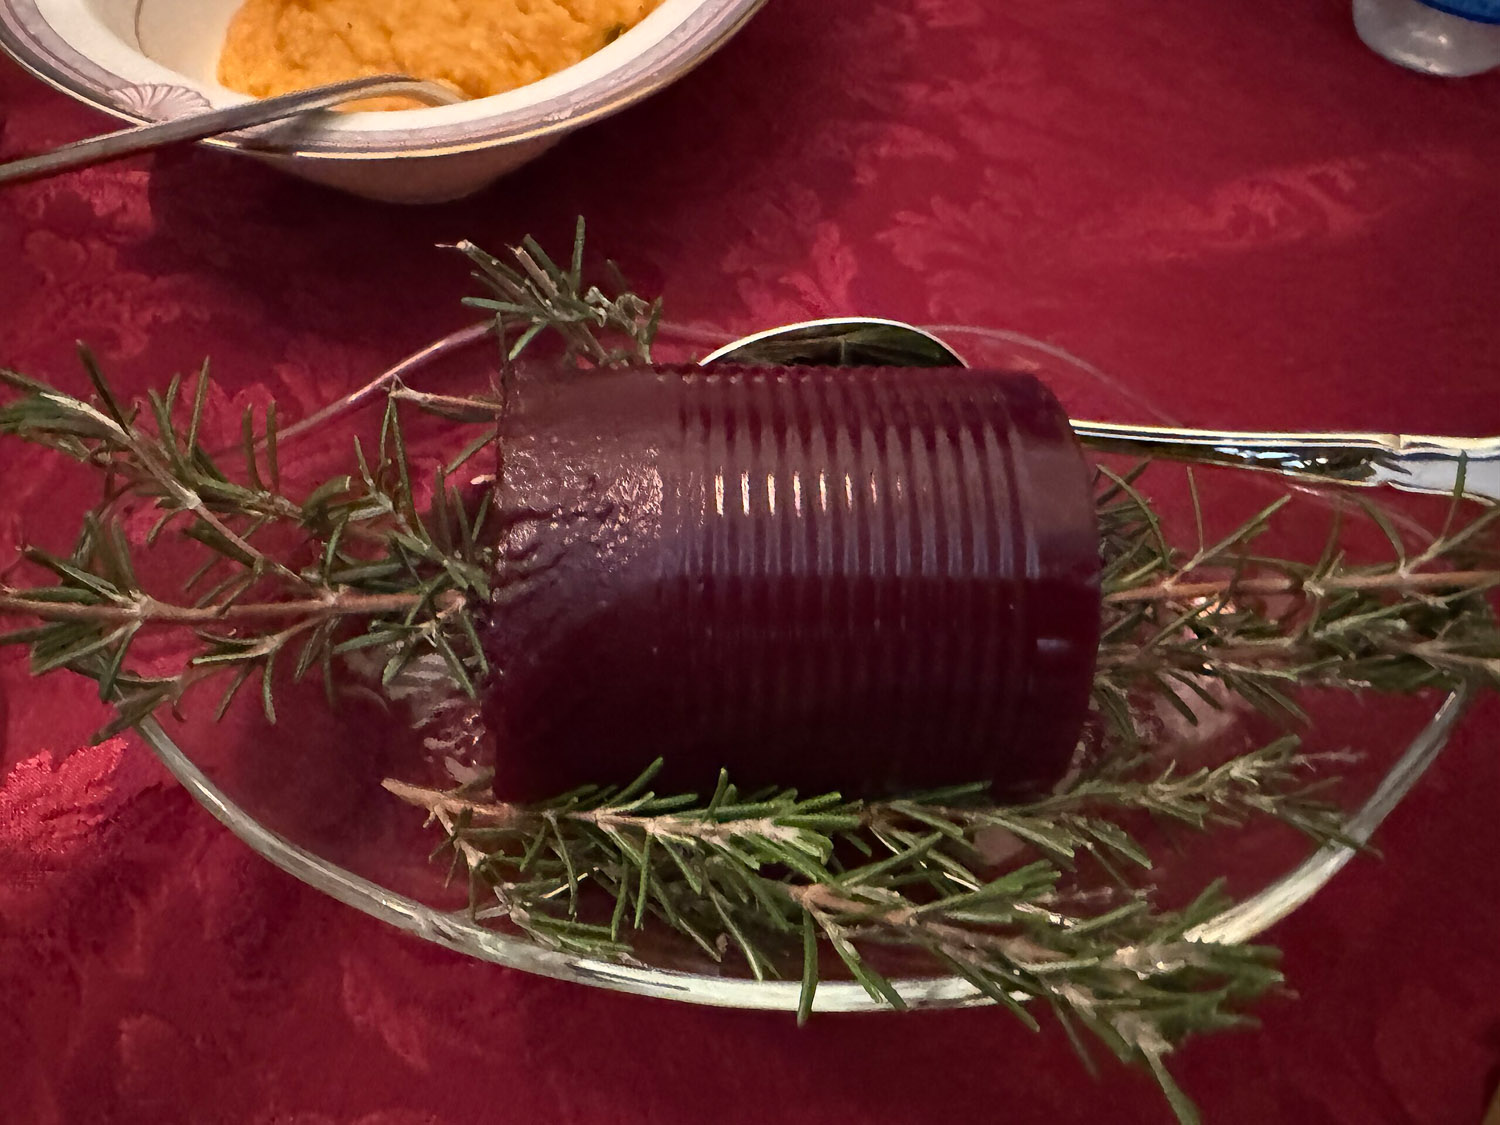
[866, 579]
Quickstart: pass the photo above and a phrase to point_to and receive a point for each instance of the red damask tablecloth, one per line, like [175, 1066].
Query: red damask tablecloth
[1233, 208]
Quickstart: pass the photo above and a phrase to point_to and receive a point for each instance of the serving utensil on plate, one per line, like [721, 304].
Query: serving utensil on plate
[216, 122]
[1411, 462]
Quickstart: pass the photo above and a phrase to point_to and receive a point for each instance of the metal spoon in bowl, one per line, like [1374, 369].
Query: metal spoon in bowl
[215, 122]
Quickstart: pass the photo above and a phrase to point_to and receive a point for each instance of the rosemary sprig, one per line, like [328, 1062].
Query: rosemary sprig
[1257, 626]
[764, 873]
[384, 575]
[602, 326]
[545, 856]
[537, 295]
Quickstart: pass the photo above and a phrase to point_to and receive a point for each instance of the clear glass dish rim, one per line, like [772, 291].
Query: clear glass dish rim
[1239, 923]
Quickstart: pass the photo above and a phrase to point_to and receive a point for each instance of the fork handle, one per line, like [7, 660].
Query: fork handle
[213, 122]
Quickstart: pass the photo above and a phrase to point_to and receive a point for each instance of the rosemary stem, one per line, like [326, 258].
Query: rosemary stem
[464, 408]
[150, 611]
[1394, 580]
[434, 801]
[508, 816]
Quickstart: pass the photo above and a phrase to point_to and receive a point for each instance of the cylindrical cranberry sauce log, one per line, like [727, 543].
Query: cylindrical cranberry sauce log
[866, 580]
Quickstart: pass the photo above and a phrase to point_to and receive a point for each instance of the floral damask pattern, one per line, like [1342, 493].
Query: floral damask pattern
[1235, 210]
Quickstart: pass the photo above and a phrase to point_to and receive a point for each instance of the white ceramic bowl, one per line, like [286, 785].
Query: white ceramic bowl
[145, 60]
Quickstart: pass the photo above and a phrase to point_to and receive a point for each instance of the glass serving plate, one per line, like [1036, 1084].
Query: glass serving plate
[305, 793]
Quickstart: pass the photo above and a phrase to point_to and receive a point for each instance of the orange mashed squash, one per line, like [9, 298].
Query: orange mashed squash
[479, 47]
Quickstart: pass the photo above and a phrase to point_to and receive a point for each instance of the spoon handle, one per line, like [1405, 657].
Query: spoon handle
[213, 122]
[1412, 462]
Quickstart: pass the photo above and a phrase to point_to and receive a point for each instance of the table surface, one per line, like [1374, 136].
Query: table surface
[1234, 209]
